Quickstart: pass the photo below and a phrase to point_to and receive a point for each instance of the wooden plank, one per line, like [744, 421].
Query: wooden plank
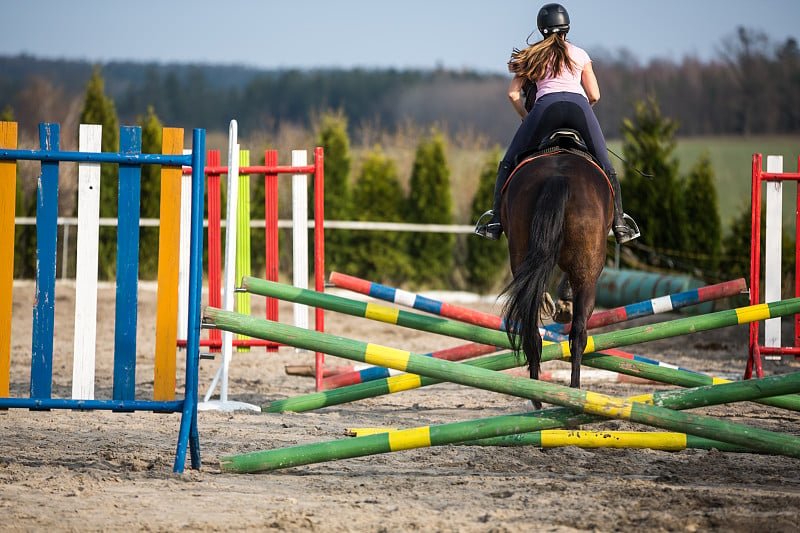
[8, 195]
[300, 234]
[271, 228]
[243, 257]
[85, 343]
[169, 247]
[214, 244]
[128, 215]
[772, 249]
[46, 236]
[185, 239]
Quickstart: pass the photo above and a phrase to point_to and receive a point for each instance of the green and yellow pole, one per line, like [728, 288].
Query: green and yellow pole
[514, 425]
[653, 440]
[557, 438]
[505, 361]
[380, 313]
[586, 401]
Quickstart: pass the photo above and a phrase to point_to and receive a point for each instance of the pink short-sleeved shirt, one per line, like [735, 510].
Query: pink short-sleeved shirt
[568, 81]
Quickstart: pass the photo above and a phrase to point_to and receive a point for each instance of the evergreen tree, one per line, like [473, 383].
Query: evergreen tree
[429, 202]
[737, 244]
[379, 255]
[655, 203]
[152, 131]
[333, 139]
[99, 109]
[486, 260]
[703, 225]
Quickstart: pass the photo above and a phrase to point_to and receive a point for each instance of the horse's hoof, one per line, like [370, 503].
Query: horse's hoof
[547, 309]
[533, 405]
[563, 314]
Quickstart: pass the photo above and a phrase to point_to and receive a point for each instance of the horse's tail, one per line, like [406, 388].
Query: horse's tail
[525, 292]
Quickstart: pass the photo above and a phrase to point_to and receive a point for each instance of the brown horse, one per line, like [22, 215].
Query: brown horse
[557, 210]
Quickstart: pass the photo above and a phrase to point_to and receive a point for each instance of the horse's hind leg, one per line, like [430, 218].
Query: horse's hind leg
[583, 306]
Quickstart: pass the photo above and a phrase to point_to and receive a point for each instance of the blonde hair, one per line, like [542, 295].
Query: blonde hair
[534, 61]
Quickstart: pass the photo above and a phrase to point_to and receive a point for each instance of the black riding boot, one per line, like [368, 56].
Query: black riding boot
[622, 231]
[493, 228]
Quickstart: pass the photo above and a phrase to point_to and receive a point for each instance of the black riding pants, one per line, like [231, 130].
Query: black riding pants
[559, 110]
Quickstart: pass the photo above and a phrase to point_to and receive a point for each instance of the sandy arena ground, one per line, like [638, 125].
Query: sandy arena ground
[65, 471]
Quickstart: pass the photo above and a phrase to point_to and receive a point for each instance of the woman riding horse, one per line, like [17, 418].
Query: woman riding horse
[565, 88]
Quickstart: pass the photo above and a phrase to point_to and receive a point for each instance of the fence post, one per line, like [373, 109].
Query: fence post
[87, 245]
[300, 234]
[170, 248]
[772, 249]
[8, 197]
[46, 234]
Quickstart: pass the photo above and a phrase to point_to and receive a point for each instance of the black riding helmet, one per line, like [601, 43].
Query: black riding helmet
[552, 18]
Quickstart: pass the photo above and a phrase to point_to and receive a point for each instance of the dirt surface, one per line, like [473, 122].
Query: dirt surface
[64, 470]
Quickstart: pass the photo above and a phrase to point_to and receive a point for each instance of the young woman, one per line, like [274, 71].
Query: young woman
[559, 76]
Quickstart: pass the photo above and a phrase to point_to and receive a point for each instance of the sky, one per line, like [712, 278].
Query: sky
[468, 34]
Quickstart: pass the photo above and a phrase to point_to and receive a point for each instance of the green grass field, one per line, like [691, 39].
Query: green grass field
[732, 158]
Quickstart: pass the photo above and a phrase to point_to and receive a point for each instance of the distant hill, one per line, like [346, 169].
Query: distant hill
[208, 96]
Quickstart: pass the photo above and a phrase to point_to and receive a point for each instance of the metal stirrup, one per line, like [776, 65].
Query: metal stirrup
[632, 225]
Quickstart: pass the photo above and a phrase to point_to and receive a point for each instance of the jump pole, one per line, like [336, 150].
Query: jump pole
[504, 361]
[551, 332]
[603, 318]
[659, 413]
[417, 301]
[626, 364]
[489, 336]
[558, 438]
[652, 440]
[471, 350]
[661, 304]
[371, 373]
[372, 311]
[604, 341]
[586, 401]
